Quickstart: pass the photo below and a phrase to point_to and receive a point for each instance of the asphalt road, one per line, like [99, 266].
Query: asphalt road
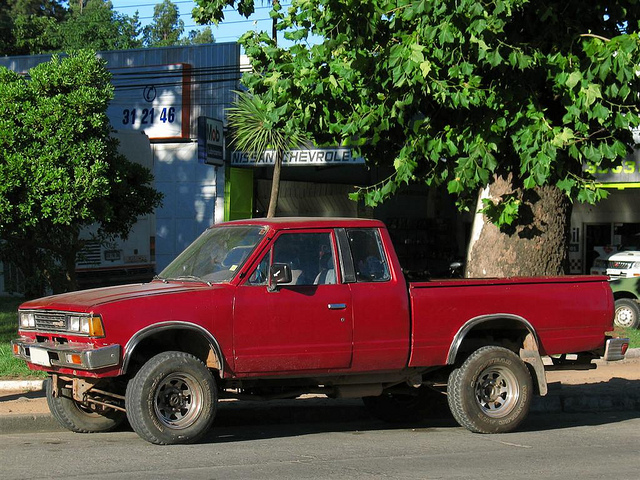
[547, 446]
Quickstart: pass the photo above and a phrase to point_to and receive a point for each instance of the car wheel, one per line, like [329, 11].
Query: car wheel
[78, 417]
[172, 399]
[627, 313]
[491, 392]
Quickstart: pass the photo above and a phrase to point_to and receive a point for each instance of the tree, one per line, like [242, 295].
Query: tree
[166, 27]
[30, 26]
[60, 169]
[45, 26]
[95, 25]
[202, 37]
[258, 127]
[511, 96]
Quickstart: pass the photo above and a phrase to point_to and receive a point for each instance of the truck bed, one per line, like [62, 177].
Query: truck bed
[443, 310]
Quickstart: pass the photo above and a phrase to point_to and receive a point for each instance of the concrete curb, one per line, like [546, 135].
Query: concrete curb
[37, 423]
[16, 385]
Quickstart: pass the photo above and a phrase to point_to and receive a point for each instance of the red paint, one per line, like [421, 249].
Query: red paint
[384, 326]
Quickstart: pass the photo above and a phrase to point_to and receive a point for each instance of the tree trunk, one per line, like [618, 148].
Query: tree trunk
[275, 185]
[537, 245]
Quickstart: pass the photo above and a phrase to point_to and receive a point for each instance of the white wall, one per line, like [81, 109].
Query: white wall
[189, 204]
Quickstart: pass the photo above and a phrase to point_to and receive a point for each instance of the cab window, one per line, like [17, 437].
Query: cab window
[368, 255]
[309, 255]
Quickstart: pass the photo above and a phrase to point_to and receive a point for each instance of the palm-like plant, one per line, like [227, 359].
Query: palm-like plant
[258, 126]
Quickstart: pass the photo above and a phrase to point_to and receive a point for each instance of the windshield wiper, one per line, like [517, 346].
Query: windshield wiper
[189, 278]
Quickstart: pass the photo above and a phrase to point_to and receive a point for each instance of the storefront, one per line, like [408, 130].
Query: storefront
[427, 230]
[611, 225]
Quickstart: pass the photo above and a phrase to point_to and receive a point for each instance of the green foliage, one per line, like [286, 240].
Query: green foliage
[259, 126]
[44, 26]
[454, 93]
[60, 169]
[205, 36]
[11, 367]
[504, 212]
[166, 27]
[98, 27]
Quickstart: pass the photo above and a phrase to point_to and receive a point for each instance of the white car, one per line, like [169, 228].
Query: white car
[625, 264]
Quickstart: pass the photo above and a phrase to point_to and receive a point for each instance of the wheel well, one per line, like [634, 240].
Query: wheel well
[502, 332]
[629, 295]
[173, 339]
[512, 333]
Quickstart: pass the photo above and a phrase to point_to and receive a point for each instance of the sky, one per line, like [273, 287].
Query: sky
[229, 30]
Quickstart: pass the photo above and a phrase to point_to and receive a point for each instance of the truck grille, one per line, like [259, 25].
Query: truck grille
[51, 321]
[619, 265]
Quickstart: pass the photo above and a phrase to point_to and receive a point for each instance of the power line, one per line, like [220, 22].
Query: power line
[116, 7]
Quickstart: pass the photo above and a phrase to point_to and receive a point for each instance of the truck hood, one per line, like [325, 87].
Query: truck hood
[85, 300]
[627, 256]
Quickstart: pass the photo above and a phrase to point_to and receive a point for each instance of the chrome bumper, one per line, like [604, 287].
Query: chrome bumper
[615, 349]
[68, 355]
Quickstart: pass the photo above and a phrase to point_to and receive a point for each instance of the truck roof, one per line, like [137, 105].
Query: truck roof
[284, 223]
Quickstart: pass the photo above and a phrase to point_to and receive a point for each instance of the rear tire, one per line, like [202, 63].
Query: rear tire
[172, 399]
[491, 392]
[79, 418]
[627, 313]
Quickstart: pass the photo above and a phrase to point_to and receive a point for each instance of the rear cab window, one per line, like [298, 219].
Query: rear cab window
[369, 260]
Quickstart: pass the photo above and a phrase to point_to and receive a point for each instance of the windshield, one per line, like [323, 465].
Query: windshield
[216, 255]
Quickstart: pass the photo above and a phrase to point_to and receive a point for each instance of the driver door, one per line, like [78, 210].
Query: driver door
[304, 325]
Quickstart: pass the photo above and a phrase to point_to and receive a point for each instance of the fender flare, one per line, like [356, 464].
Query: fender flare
[474, 322]
[529, 353]
[140, 335]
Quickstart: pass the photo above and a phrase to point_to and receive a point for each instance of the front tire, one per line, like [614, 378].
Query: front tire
[172, 399]
[77, 417]
[627, 313]
[491, 392]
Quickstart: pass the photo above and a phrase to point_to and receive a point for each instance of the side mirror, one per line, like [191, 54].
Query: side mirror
[279, 273]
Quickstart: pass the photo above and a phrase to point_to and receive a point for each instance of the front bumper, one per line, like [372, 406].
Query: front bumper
[67, 355]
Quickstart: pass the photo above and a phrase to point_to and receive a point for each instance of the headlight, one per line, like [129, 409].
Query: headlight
[86, 325]
[27, 320]
[635, 265]
[74, 323]
[62, 322]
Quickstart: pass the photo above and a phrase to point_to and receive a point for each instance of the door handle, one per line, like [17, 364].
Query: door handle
[337, 306]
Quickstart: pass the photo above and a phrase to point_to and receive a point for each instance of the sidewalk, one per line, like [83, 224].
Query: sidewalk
[613, 386]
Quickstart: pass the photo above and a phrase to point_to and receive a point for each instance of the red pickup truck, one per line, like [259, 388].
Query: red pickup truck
[280, 307]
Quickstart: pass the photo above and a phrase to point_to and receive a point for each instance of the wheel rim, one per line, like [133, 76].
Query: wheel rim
[624, 316]
[178, 400]
[497, 392]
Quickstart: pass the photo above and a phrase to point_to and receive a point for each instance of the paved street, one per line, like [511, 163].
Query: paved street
[548, 446]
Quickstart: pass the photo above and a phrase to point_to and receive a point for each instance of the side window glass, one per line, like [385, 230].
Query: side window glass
[260, 275]
[368, 256]
[309, 255]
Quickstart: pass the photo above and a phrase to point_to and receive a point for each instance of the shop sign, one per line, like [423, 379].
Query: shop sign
[210, 141]
[300, 158]
[153, 99]
[627, 174]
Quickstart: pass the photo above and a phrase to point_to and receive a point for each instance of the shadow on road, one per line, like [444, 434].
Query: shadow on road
[587, 405]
